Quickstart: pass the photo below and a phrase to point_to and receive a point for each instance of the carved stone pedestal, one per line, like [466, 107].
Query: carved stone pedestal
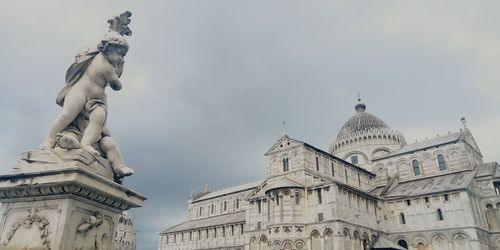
[56, 200]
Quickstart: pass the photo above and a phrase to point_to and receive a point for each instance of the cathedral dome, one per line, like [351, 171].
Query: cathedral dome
[361, 121]
[364, 126]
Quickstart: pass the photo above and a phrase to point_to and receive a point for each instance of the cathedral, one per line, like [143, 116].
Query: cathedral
[370, 190]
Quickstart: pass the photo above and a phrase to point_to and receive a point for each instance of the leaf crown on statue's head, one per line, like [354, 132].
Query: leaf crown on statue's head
[118, 28]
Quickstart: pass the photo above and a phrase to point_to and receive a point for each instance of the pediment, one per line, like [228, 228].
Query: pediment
[470, 140]
[284, 143]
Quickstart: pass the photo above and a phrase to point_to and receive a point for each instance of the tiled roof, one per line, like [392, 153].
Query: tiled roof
[436, 184]
[283, 183]
[229, 190]
[383, 243]
[485, 169]
[208, 222]
[453, 137]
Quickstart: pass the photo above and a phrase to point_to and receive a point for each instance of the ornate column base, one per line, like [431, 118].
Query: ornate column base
[64, 207]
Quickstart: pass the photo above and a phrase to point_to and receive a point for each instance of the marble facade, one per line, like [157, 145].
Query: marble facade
[370, 190]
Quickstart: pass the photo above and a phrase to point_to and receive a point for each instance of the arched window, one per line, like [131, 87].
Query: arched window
[318, 192]
[403, 244]
[439, 214]
[441, 162]
[402, 218]
[285, 165]
[416, 168]
[354, 159]
[421, 246]
[297, 199]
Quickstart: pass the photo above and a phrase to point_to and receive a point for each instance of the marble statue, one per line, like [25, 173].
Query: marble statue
[82, 121]
[68, 194]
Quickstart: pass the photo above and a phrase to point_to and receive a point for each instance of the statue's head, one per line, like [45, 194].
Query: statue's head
[113, 45]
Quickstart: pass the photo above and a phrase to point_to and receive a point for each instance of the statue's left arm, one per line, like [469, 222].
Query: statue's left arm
[111, 79]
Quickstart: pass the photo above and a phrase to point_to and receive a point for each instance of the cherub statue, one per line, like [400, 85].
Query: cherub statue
[97, 239]
[81, 124]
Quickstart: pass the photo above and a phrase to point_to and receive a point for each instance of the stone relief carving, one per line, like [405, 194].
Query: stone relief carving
[91, 234]
[33, 225]
[82, 122]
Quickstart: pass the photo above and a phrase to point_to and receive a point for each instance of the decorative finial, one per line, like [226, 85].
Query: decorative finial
[283, 131]
[360, 106]
[464, 122]
[120, 23]
[206, 188]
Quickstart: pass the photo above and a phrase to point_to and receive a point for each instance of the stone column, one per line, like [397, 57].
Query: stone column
[60, 200]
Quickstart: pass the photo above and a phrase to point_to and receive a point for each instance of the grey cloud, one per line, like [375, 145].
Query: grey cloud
[207, 83]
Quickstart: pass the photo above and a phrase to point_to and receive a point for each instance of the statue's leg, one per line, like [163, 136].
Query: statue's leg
[114, 156]
[74, 103]
[69, 139]
[97, 119]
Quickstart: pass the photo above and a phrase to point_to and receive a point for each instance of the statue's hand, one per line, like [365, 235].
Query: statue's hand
[115, 85]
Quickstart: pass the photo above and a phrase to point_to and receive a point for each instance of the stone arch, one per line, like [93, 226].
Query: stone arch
[276, 244]
[263, 242]
[461, 240]
[365, 241]
[365, 236]
[287, 245]
[299, 244]
[380, 151]
[357, 152]
[419, 238]
[439, 242]
[328, 235]
[497, 242]
[356, 240]
[402, 243]
[315, 240]
[453, 152]
[254, 244]
[420, 246]
[346, 242]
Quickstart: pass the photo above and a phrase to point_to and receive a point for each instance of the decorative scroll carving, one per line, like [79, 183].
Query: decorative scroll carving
[27, 223]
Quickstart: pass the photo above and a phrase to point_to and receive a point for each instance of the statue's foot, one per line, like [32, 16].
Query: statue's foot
[68, 142]
[47, 144]
[122, 171]
[91, 150]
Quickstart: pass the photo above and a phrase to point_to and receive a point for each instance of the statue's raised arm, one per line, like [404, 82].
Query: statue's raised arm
[82, 121]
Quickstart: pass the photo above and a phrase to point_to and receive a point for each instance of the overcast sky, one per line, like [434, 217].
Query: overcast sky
[208, 83]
